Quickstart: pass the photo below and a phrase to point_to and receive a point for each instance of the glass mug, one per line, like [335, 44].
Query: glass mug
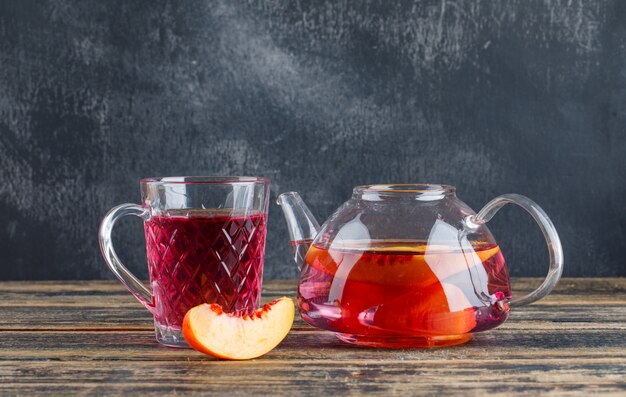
[205, 243]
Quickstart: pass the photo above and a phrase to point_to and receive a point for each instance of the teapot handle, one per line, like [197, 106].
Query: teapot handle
[549, 233]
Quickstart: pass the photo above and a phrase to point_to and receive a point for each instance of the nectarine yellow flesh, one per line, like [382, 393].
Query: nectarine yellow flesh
[209, 330]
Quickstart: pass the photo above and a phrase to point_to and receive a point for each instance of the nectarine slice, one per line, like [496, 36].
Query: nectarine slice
[441, 309]
[211, 331]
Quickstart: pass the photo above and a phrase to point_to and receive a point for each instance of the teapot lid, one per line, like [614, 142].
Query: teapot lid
[413, 191]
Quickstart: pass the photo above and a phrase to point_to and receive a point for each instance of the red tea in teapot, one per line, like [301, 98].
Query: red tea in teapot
[407, 265]
[388, 292]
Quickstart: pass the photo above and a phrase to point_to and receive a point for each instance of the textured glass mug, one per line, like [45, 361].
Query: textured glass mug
[205, 242]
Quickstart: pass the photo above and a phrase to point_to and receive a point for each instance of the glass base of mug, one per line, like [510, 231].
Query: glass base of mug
[170, 336]
[398, 342]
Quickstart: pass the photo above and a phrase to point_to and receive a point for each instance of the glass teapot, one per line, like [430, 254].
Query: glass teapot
[407, 265]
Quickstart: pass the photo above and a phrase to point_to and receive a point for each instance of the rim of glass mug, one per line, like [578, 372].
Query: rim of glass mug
[202, 180]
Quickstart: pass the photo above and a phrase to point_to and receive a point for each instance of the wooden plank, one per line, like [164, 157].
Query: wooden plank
[93, 337]
[110, 294]
[136, 317]
[497, 377]
[123, 299]
[520, 284]
[306, 345]
[93, 305]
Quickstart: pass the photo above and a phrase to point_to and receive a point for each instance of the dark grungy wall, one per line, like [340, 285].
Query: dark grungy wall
[522, 96]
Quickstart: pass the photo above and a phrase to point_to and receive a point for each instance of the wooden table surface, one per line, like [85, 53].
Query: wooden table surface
[94, 338]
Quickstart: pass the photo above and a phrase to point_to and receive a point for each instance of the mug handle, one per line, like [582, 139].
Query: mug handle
[132, 283]
[549, 233]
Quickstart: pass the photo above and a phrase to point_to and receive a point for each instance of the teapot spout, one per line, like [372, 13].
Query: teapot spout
[302, 225]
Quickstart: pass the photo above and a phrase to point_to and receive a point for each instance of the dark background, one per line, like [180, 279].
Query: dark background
[491, 96]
